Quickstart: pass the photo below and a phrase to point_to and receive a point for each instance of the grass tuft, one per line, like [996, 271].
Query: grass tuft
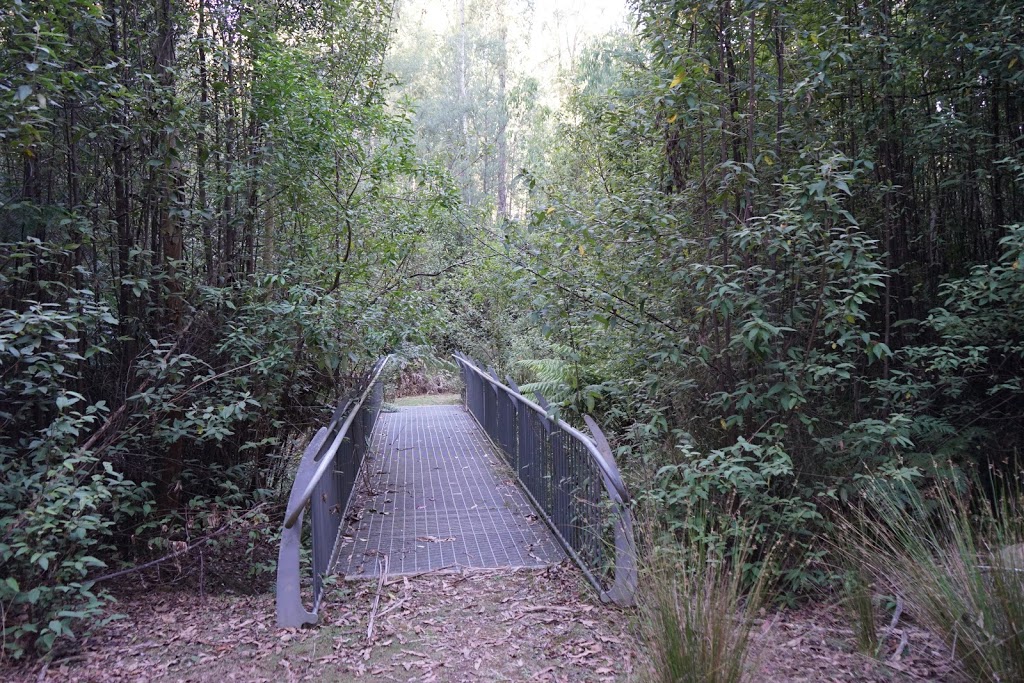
[861, 606]
[959, 567]
[696, 610]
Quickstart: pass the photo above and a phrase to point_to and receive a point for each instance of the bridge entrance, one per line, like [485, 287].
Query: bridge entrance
[438, 497]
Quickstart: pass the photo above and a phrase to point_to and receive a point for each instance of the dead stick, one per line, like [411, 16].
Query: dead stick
[895, 620]
[417, 575]
[176, 553]
[382, 563]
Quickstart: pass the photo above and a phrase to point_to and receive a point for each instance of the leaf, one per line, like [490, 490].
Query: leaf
[23, 92]
[677, 80]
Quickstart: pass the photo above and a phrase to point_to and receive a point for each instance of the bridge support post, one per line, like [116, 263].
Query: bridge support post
[290, 612]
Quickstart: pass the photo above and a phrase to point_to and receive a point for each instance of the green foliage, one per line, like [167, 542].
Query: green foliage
[961, 386]
[747, 480]
[59, 503]
[58, 515]
[203, 245]
[775, 259]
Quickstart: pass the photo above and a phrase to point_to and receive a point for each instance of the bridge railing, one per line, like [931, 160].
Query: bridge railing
[572, 479]
[324, 483]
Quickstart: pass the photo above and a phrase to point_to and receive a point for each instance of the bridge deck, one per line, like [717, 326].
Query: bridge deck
[440, 497]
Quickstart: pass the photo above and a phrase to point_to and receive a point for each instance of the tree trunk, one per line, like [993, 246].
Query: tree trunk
[169, 192]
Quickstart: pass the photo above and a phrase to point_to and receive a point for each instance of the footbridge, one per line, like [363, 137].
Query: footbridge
[497, 482]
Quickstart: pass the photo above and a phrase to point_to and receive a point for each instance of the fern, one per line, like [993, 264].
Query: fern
[555, 378]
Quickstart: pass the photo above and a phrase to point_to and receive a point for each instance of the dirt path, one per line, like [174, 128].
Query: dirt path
[478, 626]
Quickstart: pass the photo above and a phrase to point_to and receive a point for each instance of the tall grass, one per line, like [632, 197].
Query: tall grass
[959, 566]
[860, 603]
[696, 609]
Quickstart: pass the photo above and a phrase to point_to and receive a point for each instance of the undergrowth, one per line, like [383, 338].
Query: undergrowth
[958, 562]
[696, 608]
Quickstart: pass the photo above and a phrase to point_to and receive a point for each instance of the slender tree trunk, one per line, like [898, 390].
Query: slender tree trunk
[464, 106]
[171, 238]
[202, 151]
[502, 170]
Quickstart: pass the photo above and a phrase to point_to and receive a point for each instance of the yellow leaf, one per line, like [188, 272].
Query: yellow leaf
[677, 80]
[550, 210]
[672, 119]
[724, 426]
[1013, 62]
[834, 346]
[768, 160]
[582, 250]
[850, 319]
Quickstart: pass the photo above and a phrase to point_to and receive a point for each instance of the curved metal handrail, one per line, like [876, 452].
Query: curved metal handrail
[332, 498]
[324, 459]
[625, 579]
[606, 463]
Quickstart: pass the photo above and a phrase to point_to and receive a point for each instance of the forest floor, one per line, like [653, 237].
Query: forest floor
[526, 625]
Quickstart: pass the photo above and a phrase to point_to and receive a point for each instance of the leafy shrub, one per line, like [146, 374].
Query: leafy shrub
[58, 516]
[745, 480]
[59, 503]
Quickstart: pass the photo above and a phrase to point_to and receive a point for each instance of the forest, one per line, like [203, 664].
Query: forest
[773, 247]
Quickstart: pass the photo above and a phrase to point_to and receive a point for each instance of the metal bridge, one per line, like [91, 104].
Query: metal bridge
[494, 483]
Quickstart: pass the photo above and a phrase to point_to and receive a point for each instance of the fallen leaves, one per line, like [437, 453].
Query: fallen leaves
[475, 626]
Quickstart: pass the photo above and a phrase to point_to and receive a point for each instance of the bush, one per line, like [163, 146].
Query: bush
[750, 481]
[58, 514]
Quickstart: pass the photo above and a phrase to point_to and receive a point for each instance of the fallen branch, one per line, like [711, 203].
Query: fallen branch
[382, 563]
[177, 553]
[417, 575]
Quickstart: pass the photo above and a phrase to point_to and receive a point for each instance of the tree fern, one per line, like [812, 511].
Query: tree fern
[555, 378]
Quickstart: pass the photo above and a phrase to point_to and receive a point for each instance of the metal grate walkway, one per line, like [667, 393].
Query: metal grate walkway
[440, 498]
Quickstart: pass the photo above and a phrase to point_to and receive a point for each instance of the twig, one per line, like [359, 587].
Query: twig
[547, 608]
[211, 378]
[895, 620]
[417, 575]
[899, 648]
[382, 563]
[393, 606]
